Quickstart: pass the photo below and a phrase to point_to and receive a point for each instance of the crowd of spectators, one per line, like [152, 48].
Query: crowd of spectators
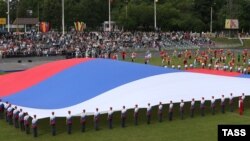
[93, 44]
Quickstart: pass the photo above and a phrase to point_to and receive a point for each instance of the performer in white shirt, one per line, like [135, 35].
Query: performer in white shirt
[136, 111]
[110, 117]
[213, 105]
[133, 56]
[26, 123]
[96, 119]
[123, 116]
[1, 109]
[192, 107]
[243, 98]
[223, 104]
[21, 120]
[202, 107]
[182, 109]
[53, 124]
[160, 112]
[15, 117]
[83, 120]
[231, 103]
[170, 111]
[34, 126]
[10, 110]
[148, 113]
[69, 122]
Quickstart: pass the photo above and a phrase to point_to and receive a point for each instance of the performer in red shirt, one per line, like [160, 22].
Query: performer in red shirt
[162, 54]
[124, 55]
[115, 57]
[241, 106]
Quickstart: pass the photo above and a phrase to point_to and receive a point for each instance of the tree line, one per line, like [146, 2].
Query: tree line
[172, 15]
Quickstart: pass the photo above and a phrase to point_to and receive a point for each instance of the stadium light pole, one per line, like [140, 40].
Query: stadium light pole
[155, 14]
[126, 10]
[63, 17]
[109, 15]
[211, 18]
[8, 13]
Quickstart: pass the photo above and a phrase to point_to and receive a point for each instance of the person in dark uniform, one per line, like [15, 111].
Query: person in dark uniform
[170, 111]
[27, 123]
[1, 109]
[83, 120]
[182, 109]
[213, 105]
[160, 112]
[110, 118]
[34, 126]
[123, 117]
[136, 111]
[202, 107]
[148, 113]
[96, 119]
[21, 120]
[53, 124]
[69, 122]
[223, 104]
[192, 108]
[231, 102]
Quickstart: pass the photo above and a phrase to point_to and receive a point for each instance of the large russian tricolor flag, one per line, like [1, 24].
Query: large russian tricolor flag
[78, 84]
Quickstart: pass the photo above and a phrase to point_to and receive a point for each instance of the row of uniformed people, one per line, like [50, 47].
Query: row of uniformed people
[216, 67]
[18, 118]
[148, 114]
[21, 119]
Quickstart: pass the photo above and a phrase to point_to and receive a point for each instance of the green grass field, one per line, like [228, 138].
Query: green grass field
[226, 41]
[247, 43]
[1, 73]
[179, 61]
